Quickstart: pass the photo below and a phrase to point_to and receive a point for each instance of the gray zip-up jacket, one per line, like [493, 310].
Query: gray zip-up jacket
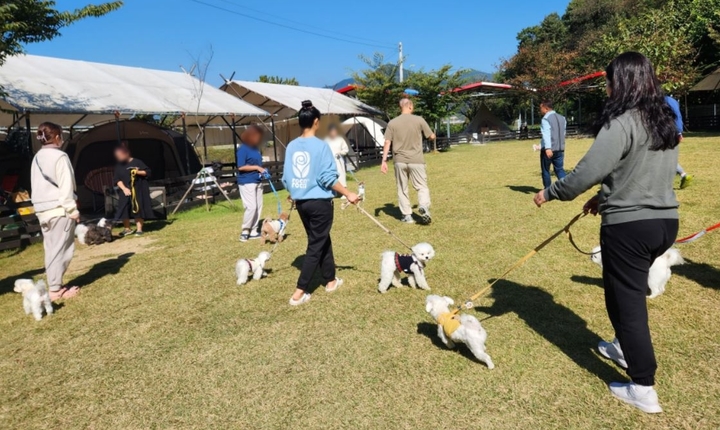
[637, 183]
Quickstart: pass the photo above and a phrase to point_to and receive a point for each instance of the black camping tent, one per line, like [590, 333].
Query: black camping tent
[165, 151]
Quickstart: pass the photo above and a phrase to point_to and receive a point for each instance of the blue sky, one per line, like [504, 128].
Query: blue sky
[165, 34]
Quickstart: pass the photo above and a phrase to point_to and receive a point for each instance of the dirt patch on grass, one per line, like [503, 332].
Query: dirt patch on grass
[86, 256]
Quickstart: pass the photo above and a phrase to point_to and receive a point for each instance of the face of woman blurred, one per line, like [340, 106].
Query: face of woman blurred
[122, 155]
[332, 133]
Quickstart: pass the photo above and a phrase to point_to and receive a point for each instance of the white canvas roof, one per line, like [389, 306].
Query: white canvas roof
[284, 101]
[373, 126]
[82, 93]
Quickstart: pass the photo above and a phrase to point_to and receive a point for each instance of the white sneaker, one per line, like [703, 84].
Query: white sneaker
[612, 351]
[338, 283]
[304, 299]
[642, 397]
[408, 219]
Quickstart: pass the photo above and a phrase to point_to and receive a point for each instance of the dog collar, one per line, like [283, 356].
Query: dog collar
[449, 323]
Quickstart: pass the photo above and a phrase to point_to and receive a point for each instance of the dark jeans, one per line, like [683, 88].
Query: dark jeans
[628, 251]
[317, 218]
[557, 161]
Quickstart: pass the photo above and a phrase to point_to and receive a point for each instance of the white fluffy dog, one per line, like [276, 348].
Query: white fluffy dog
[244, 268]
[35, 297]
[659, 271]
[393, 263]
[458, 328]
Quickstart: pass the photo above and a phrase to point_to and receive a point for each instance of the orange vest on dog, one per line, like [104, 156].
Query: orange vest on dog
[449, 323]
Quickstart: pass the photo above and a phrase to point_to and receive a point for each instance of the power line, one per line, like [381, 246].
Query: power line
[277, 24]
[302, 23]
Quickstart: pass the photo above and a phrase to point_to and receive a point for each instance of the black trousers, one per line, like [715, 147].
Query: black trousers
[317, 218]
[628, 251]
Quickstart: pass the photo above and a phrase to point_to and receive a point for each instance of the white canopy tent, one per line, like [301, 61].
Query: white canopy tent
[284, 101]
[79, 93]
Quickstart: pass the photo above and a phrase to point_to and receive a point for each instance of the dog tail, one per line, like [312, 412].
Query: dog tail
[80, 232]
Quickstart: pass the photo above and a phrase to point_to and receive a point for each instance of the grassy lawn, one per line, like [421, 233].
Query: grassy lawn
[161, 337]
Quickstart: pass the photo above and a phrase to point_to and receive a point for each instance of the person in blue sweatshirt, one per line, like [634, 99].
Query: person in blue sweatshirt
[685, 178]
[249, 179]
[311, 176]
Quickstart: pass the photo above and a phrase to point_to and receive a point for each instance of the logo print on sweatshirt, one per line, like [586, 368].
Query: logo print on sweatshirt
[301, 164]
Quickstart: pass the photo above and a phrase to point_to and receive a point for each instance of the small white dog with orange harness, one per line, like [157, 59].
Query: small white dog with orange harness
[454, 328]
[244, 268]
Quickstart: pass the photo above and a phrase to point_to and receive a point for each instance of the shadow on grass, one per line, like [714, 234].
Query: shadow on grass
[7, 284]
[390, 210]
[557, 324]
[525, 189]
[702, 273]
[587, 280]
[99, 270]
[316, 282]
[429, 330]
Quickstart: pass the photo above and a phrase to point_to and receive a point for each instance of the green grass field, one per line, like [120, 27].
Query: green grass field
[161, 337]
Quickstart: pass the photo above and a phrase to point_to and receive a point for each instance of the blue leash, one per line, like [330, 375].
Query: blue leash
[266, 176]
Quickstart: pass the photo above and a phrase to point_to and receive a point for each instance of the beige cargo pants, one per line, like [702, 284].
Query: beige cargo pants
[411, 174]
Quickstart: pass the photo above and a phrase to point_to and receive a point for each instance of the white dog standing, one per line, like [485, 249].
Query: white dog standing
[255, 267]
[659, 271]
[35, 297]
[393, 263]
[458, 328]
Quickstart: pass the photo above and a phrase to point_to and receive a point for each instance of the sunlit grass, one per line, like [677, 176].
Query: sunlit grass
[165, 339]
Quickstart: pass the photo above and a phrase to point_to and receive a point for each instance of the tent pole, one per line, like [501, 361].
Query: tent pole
[187, 151]
[204, 143]
[235, 141]
[29, 134]
[117, 127]
[272, 125]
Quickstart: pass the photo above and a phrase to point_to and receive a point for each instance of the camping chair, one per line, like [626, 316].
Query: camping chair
[97, 181]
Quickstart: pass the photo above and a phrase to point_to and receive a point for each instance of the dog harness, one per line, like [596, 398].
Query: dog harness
[449, 323]
[404, 262]
[282, 226]
[249, 262]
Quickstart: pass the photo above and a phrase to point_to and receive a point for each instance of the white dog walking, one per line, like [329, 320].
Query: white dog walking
[458, 328]
[393, 263]
[35, 297]
[659, 271]
[255, 267]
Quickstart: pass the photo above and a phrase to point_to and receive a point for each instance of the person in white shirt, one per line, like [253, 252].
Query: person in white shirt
[340, 149]
[53, 196]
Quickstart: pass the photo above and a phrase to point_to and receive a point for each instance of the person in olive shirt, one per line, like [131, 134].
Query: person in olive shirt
[405, 134]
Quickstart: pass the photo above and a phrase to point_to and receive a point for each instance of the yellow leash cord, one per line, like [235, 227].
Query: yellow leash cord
[468, 304]
[133, 195]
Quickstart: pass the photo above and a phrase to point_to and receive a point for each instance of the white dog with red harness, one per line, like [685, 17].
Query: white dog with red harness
[244, 268]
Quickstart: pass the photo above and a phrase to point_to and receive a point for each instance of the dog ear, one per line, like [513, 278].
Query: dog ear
[428, 307]
[449, 300]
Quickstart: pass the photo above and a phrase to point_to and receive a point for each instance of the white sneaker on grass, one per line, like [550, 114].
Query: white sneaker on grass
[408, 219]
[338, 283]
[301, 301]
[641, 396]
[612, 351]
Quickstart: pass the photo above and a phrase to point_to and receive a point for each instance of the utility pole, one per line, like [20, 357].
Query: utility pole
[401, 60]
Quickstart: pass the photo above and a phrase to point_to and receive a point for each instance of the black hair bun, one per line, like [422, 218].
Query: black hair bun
[307, 104]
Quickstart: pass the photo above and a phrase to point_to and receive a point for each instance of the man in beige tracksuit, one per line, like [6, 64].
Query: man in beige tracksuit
[405, 134]
[53, 196]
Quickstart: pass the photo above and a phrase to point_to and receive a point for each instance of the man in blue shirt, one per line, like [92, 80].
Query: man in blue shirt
[552, 145]
[685, 179]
